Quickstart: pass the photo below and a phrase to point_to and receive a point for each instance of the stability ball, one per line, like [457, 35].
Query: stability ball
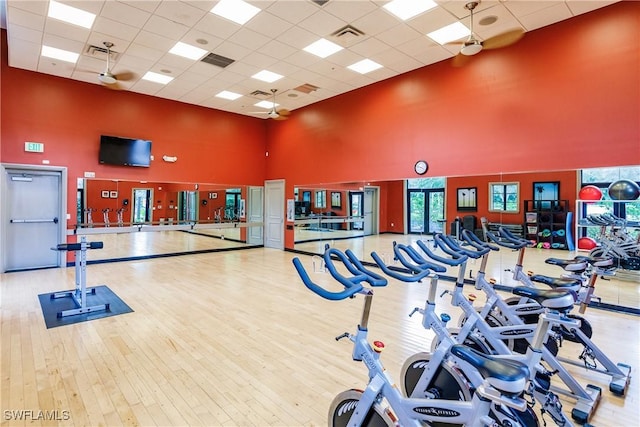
[587, 243]
[590, 192]
[624, 189]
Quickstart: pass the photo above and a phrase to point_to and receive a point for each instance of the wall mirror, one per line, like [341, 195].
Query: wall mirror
[137, 219]
[424, 210]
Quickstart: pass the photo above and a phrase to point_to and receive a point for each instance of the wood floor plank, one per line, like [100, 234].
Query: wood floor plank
[229, 339]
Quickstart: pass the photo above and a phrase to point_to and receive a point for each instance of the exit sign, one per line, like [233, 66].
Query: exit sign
[34, 147]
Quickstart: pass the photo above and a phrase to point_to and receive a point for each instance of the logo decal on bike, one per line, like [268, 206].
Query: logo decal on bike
[517, 332]
[436, 412]
[347, 406]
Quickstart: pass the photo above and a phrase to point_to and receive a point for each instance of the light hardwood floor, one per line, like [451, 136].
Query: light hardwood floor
[225, 339]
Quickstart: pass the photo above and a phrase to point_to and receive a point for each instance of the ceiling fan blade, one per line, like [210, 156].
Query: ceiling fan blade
[503, 40]
[125, 76]
[284, 112]
[460, 60]
[113, 86]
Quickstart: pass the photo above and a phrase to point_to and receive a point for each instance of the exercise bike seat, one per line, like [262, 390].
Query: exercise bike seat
[573, 265]
[596, 261]
[556, 282]
[553, 299]
[508, 376]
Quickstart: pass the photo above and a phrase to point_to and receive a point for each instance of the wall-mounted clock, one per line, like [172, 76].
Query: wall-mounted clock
[421, 167]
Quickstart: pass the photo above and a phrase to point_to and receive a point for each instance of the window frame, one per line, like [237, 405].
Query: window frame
[504, 185]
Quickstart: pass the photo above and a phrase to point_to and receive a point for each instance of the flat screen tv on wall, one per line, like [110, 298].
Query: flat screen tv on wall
[119, 151]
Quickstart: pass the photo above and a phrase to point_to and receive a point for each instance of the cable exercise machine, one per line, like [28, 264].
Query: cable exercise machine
[79, 294]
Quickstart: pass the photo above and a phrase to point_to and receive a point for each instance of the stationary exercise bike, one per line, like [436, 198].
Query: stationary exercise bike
[381, 403]
[591, 355]
[421, 378]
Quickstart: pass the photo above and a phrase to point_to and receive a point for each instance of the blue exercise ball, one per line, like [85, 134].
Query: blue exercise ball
[624, 189]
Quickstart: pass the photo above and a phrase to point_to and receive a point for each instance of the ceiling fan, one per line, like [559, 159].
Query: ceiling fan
[472, 45]
[109, 79]
[273, 113]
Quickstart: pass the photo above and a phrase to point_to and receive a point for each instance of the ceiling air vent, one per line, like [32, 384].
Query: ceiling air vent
[217, 60]
[260, 93]
[320, 2]
[347, 35]
[306, 88]
[101, 52]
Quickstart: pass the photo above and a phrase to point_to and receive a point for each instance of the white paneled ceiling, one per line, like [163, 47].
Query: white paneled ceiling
[143, 32]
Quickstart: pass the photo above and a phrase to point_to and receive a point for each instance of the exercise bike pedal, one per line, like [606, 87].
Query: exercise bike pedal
[584, 409]
[619, 386]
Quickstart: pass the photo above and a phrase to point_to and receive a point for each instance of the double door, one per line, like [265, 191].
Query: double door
[425, 210]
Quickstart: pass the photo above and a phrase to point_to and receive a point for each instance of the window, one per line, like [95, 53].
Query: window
[321, 199]
[504, 197]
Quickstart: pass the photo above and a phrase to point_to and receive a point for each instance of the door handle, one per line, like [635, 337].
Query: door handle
[32, 221]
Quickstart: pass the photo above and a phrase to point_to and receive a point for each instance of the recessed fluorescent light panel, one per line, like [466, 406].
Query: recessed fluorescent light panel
[267, 76]
[62, 55]
[157, 78]
[266, 104]
[323, 48]
[365, 66]
[70, 14]
[407, 9]
[187, 51]
[225, 94]
[451, 32]
[237, 11]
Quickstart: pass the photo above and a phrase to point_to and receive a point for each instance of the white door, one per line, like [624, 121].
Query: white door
[255, 214]
[274, 214]
[370, 211]
[32, 217]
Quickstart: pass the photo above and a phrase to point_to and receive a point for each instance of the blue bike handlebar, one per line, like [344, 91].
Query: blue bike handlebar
[416, 276]
[399, 249]
[349, 291]
[358, 275]
[477, 253]
[374, 278]
[448, 261]
[506, 242]
[474, 241]
[457, 258]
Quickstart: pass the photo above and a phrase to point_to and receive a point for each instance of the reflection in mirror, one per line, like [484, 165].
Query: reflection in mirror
[407, 212]
[137, 219]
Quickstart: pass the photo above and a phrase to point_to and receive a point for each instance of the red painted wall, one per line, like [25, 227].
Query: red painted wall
[68, 117]
[566, 96]
[568, 191]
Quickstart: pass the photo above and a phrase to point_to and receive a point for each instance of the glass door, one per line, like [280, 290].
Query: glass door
[356, 208]
[141, 205]
[425, 210]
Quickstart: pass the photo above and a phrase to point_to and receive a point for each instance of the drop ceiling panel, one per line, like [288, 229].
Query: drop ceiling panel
[25, 18]
[143, 32]
[180, 12]
[126, 14]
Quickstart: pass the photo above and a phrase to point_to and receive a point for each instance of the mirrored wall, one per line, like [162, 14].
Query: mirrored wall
[137, 219]
[330, 214]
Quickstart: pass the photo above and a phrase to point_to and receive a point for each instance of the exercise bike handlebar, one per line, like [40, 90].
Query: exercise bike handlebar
[448, 261]
[399, 248]
[478, 252]
[457, 258]
[358, 274]
[416, 276]
[375, 279]
[474, 241]
[349, 291]
[506, 242]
